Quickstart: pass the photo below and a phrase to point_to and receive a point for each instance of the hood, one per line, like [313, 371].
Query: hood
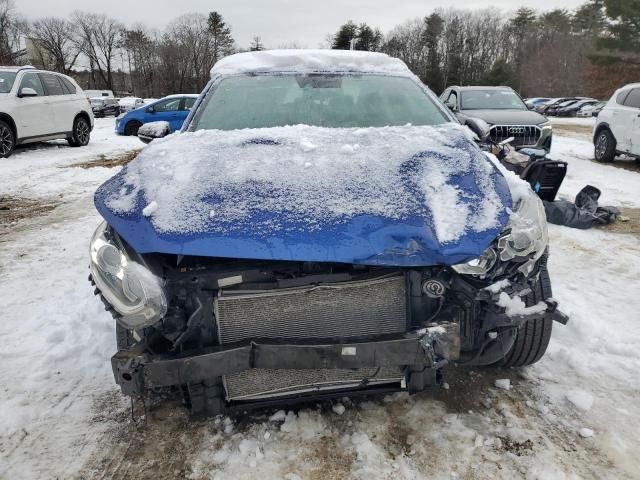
[507, 117]
[403, 196]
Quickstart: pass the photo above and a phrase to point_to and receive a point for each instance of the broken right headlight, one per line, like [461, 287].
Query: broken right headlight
[525, 235]
[527, 229]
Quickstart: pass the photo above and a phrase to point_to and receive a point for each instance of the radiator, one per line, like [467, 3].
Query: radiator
[341, 310]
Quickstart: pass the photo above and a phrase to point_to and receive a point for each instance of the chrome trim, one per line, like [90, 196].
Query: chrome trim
[525, 135]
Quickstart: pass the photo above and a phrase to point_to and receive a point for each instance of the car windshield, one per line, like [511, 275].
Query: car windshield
[491, 100]
[323, 100]
[6, 81]
[97, 102]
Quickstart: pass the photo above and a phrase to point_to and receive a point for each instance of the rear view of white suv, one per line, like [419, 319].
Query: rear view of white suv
[37, 105]
[617, 129]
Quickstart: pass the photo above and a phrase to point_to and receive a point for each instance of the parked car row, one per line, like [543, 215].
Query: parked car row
[565, 106]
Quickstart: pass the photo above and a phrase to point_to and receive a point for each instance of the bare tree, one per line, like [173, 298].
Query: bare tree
[99, 39]
[53, 41]
[11, 29]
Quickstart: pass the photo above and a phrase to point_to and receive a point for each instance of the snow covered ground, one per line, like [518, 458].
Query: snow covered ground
[573, 415]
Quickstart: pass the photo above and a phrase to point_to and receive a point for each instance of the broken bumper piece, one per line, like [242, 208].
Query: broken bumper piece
[430, 348]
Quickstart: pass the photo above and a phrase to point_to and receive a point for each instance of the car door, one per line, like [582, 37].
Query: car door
[169, 111]
[61, 103]
[185, 108]
[632, 107]
[34, 115]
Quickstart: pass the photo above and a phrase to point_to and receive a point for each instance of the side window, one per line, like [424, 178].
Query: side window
[51, 84]
[633, 99]
[68, 86]
[171, 105]
[188, 103]
[621, 97]
[453, 98]
[31, 80]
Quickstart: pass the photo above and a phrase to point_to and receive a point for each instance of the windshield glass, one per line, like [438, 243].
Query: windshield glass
[97, 102]
[491, 100]
[6, 81]
[324, 100]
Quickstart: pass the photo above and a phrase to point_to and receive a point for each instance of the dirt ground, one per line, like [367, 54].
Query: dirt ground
[108, 161]
[165, 443]
[16, 209]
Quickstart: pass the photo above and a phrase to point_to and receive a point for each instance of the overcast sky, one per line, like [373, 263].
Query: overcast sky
[277, 22]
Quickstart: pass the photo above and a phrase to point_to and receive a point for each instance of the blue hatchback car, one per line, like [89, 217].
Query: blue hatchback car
[321, 225]
[173, 109]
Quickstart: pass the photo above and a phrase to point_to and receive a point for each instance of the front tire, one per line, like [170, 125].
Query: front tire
[131, 129]
[7, 140]
[605, 146]
[533, 337]
[81, 133]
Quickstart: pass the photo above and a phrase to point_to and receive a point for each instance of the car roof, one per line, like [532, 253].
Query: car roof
[175, 95]
[310, 61]
[480, 87]
[16, 69]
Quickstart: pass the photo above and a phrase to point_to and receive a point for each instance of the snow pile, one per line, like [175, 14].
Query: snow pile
[302, 178]
[580, 399]
[310, 61]
[503, 383]
[515, 305]
[155, 129]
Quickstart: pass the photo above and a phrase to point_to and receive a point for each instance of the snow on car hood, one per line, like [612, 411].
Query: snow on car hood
[378, 196]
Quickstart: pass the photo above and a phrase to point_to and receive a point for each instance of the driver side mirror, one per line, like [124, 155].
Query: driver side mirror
[479, 127]
[152, 130]
[450, 105]
[27, 92]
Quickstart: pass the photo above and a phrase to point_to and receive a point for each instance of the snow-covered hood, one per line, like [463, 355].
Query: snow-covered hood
[405, 196]
[507, 117]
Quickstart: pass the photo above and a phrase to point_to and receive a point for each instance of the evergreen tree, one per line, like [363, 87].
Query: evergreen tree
[222, 41]
[434, 27]
[346, 34]
[368, 39]
[623, 39]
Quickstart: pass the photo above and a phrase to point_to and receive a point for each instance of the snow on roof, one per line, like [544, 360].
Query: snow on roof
[175, 95]
[310, 61]
[307, 177]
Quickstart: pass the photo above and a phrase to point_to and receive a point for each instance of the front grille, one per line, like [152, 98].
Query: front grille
[340, 310]
[523, 134]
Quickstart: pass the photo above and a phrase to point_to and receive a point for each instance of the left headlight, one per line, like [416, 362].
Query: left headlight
[131, 288]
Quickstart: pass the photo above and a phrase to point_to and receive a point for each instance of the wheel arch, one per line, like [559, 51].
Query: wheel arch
[5, 117]
[602, 126]
[84, 115]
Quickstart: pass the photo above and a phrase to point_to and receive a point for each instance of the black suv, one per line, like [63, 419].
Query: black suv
[105, 106]
[504, 111]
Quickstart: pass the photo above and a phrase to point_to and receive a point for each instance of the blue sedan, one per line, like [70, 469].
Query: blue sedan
[173, 109]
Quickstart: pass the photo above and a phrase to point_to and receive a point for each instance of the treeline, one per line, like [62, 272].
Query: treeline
[553, 53]
[556, 52]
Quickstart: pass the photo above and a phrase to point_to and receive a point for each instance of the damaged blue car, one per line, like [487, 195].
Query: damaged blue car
[321, 226]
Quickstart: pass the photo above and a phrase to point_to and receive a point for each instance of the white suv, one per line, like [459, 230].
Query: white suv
[617, 129]
[37, 105]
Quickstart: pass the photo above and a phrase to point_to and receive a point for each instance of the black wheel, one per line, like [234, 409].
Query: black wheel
[81, 133]
[132, 128]
[533, 337]
[7, 140]
[605, 146]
